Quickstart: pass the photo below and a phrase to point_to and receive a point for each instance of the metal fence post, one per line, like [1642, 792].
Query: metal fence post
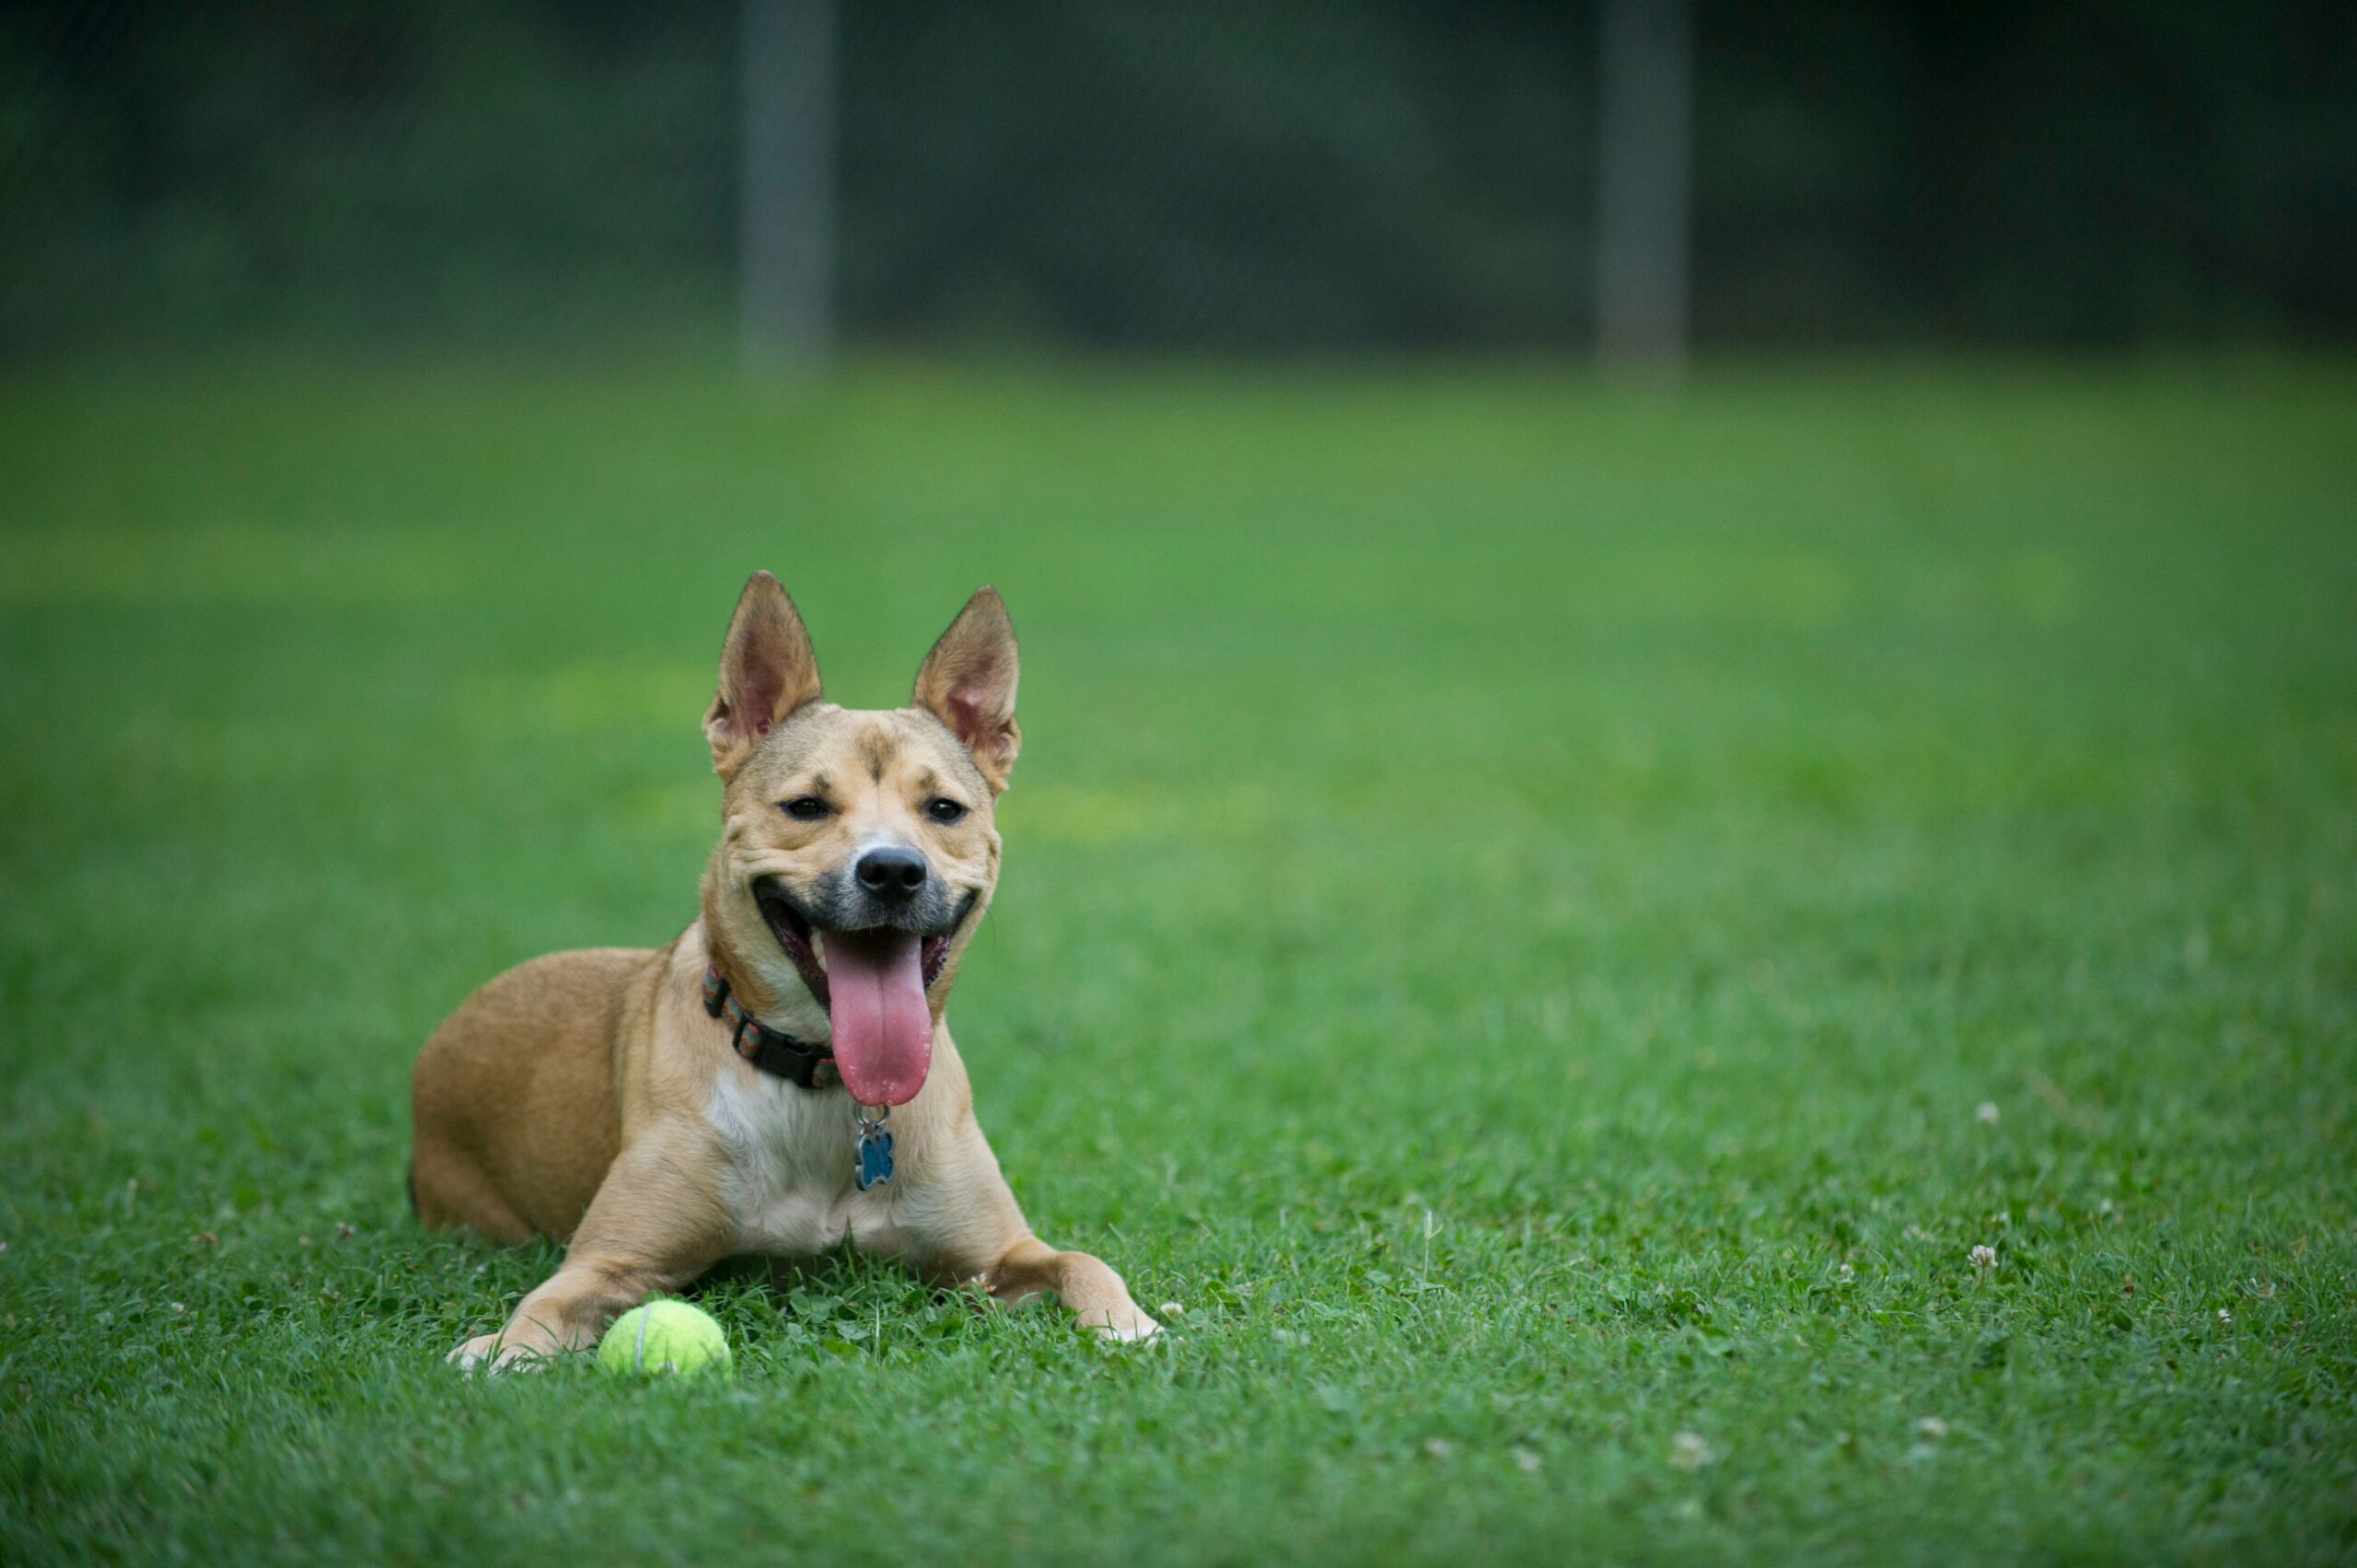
[1644, 181]
[787, 234]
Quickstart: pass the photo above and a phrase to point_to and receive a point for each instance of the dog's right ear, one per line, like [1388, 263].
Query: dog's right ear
[767, 670]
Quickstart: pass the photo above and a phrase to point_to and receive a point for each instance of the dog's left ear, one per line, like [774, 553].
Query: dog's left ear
[968, 682]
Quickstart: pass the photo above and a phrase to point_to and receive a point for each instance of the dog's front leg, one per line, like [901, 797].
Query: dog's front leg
[658, 1222]
[976, 1235]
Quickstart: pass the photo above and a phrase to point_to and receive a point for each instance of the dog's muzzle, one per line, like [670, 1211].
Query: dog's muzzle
[909, 897]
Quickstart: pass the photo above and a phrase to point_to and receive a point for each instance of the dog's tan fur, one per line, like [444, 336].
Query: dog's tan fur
[588, 1094]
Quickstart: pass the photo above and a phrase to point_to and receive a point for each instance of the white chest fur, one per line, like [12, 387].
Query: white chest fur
[789, 1185]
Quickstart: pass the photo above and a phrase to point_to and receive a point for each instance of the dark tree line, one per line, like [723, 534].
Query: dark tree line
[1382, 173]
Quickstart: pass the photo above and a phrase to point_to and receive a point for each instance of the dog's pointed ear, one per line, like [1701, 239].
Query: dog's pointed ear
[767, 670]
[968, 682]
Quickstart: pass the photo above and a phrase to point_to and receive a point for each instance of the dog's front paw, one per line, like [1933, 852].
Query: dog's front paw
[485, 1353]
[1125, 1324]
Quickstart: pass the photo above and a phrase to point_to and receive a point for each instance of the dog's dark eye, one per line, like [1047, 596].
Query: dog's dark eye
[804, 807]
[941, 808]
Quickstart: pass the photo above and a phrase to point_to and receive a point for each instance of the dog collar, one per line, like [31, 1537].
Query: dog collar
[773, 1050]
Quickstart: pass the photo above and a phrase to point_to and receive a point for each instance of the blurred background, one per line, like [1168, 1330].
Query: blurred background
[1626, 176]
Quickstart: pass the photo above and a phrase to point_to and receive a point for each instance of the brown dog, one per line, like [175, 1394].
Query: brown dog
[781, 1075]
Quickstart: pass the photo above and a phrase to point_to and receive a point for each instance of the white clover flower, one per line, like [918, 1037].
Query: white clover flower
[1984, 1257]
[1526, 1461]
[1690, 1451]
[1987, 1113]
[1171, 1309]
[1931, 1429]
[2224, 1316]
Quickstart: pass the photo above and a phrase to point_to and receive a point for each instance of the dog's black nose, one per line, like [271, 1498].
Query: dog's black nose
[893, 870]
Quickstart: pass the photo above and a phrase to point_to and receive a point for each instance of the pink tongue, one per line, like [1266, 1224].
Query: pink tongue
[875, 1003]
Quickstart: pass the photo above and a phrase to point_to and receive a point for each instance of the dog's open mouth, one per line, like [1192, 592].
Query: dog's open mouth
[800, 939]
[873, 984]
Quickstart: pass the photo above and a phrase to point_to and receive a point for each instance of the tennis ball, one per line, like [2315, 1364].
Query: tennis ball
[663, 1336]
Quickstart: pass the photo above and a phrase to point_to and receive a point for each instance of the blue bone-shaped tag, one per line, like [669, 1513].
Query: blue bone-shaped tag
[871, 1156]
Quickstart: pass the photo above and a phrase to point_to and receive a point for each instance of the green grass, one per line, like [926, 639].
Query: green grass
[1515, 896]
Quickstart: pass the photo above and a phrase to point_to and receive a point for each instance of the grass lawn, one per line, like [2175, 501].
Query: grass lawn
[1552, 922]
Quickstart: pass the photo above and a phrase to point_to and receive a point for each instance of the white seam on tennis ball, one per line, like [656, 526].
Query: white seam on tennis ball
[638, 1351]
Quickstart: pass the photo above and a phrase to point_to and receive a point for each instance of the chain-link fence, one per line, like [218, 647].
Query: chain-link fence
[1381, 174]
